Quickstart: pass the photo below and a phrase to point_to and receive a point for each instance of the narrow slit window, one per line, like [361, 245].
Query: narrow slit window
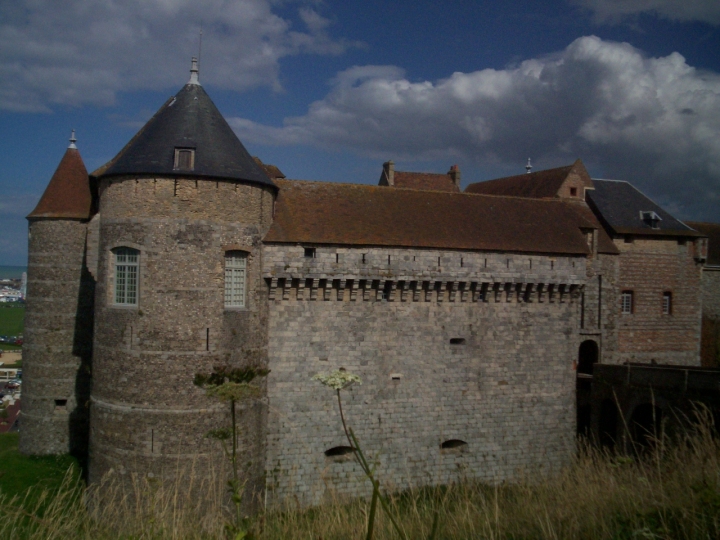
[184, 159]
[235, 278]
[667, 303]
[126, 276]
[457, 341]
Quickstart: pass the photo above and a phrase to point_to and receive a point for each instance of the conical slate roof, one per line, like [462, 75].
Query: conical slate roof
[68, 193]
[190, 120]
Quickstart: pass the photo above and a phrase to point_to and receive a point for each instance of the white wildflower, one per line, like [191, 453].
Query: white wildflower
[337, 380]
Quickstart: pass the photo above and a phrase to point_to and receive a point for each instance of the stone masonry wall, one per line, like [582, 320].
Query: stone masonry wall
[504, 385]
[649, 267]
[147, 415]
[58, 340]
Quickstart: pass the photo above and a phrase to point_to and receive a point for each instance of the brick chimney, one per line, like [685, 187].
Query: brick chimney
[454, 174]
[388, 175]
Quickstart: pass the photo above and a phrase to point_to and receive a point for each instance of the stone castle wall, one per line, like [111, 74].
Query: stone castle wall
[147, 415]
[504, 385]
[57, 347]
[649, 267]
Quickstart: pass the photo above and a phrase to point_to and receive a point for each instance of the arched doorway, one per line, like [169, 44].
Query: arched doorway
[587, 358]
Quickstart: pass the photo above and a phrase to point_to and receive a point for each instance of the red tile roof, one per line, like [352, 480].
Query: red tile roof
[354, 214]
[271, 170]
[538, 185]
[67, 196]
[425, 181]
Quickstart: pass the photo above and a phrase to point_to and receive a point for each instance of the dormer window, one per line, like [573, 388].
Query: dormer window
[184, 159]
[651, 218]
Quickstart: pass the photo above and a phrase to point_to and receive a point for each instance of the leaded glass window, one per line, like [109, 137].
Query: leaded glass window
[126, 276]
[235, 278]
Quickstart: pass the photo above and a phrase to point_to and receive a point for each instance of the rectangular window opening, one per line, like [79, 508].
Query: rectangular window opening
[573, 192]
[627, 306]
[126, 276]
[667, 303]
[184, 159]
[309, 253]
[235, 278]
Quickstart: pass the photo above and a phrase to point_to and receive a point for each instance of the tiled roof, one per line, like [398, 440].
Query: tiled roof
[619, 205]
[538, 185]
[354, 214]
[272, 171]
[712, 231]
[67, 196]
[189, 120]
[605, 243]
[425, 181]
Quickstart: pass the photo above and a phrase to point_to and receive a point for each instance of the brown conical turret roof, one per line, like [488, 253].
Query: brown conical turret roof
[68, 193]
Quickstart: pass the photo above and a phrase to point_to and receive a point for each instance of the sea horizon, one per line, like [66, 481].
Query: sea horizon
[11, 272]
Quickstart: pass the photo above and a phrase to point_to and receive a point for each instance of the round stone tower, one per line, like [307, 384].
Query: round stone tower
[58, 339]
[183, 209]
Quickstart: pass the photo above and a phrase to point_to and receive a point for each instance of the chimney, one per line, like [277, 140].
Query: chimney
[388, 174]
[454, 174]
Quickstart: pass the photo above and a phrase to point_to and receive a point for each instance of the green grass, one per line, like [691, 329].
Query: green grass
[18, 472]
[12, 322]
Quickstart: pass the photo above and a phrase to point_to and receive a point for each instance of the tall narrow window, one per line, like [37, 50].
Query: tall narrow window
[126, 276]
[667, 303]
[627, 302]
[235, 268]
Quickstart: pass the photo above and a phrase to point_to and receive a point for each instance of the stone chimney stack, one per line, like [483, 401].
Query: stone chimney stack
[454, 174]
[389, 173]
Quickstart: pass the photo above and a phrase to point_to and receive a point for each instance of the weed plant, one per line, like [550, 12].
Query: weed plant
[671, 491]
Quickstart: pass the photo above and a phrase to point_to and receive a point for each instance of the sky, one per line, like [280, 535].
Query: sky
[329, 90]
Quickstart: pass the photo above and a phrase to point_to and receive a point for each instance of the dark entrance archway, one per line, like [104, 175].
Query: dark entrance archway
[587, 358]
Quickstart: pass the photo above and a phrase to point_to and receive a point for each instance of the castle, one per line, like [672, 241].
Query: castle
[468, 315]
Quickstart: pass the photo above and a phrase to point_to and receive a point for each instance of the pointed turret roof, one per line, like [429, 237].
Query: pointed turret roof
[191, 121]
[68, 195]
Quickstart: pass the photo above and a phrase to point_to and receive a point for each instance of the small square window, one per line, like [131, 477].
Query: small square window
[667, 303]
[309, 253]
[627, 302]
[184, 159]
[573, 192]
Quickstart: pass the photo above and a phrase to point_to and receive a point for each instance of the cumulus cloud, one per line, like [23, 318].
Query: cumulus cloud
[677, 10]
[654, 121]
[77, 52]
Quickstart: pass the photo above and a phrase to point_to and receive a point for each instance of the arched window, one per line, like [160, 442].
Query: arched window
[235, 278]
[126, 276]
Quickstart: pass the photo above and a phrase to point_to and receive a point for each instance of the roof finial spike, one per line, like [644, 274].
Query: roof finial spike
[528, 167]
[73, 140]
[194, 72]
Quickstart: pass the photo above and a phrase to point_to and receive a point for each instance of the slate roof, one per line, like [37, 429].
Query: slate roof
[538, 185]
[189, 120]
[427, 181]
[712, 231]
[619, 204]
[68, 195]
[355, 214]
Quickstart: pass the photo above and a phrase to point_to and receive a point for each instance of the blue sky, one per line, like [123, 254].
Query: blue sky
[328, 90]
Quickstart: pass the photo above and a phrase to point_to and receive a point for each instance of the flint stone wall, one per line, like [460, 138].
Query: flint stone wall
[57, 347]
[507, 389]
[147, 415]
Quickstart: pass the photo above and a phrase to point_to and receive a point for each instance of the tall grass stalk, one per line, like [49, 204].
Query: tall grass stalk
[671, 491]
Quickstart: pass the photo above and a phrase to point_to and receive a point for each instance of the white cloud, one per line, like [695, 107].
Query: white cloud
[654, 121]
[76, 52]
[677, 10]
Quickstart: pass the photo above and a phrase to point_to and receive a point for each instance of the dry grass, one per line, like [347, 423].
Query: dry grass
[673, 492]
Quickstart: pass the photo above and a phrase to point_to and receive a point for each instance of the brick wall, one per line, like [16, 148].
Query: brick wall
[649, 267]
[710, 348]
